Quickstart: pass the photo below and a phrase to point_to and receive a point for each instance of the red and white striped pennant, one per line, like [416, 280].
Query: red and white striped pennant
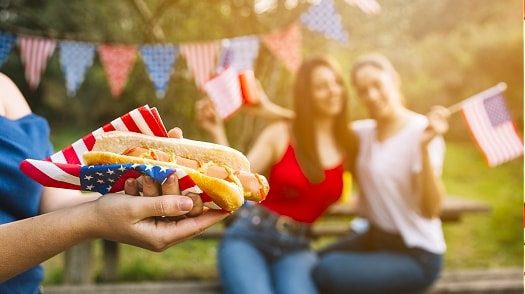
[35, 52]
[201, 59]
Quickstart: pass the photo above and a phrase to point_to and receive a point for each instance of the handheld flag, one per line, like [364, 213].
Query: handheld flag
[491, 126]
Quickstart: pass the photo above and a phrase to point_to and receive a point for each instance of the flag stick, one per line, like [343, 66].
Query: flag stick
[500, 87]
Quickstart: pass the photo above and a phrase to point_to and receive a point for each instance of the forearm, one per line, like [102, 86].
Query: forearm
[55, 199]
[28, 242]
[270, 111]
[432, 190]
[218, 136]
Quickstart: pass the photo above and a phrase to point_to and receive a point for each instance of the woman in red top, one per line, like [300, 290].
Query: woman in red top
[266, 249]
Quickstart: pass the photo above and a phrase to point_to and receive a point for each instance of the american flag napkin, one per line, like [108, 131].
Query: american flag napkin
[65, 168]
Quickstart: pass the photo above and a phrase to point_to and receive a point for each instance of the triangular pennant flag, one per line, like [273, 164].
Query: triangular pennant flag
[35, 52]
[7, 40]
[117, 61]
[323, 18]
[286, 45]
[75, 58]
[226, 55]
[244, 52]
[225, 92]
[201, 58]
[160, 60]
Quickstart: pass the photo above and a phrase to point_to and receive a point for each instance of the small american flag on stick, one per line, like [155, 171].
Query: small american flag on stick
[491, 126]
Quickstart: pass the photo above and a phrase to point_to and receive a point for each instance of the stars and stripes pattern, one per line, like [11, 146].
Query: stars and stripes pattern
[110, 178]
[65, 168]
[492, 128]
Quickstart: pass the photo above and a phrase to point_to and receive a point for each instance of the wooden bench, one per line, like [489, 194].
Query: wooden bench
[474, 281]
[334, 223]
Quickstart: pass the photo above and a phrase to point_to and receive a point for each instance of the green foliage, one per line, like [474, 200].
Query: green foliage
[188, 260]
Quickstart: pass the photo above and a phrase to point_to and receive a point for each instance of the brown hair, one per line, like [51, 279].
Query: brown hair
[303, 125]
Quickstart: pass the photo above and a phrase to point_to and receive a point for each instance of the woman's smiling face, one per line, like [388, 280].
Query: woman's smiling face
[327, 91]
[377, 89]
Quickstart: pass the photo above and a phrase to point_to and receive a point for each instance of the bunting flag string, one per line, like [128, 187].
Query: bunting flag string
[204, 59]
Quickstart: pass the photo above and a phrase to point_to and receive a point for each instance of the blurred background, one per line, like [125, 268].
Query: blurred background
[445, 51]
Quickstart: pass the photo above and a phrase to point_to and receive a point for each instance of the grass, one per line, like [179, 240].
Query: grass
[485, 241]
[478, 241]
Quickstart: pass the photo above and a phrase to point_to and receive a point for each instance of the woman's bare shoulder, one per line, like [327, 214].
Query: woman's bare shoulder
[278, 126]
[13, 104]
[278, 136]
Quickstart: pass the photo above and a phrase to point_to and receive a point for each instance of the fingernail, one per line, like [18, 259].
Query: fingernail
[170, 179]
[185, 203]
[131, 183]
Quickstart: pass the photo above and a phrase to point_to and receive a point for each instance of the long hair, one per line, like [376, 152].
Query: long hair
[303, 124]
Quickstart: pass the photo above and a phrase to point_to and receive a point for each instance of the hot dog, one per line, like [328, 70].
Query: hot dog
[223, 173]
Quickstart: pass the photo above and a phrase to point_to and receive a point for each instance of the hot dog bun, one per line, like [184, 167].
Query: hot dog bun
[227, 192]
